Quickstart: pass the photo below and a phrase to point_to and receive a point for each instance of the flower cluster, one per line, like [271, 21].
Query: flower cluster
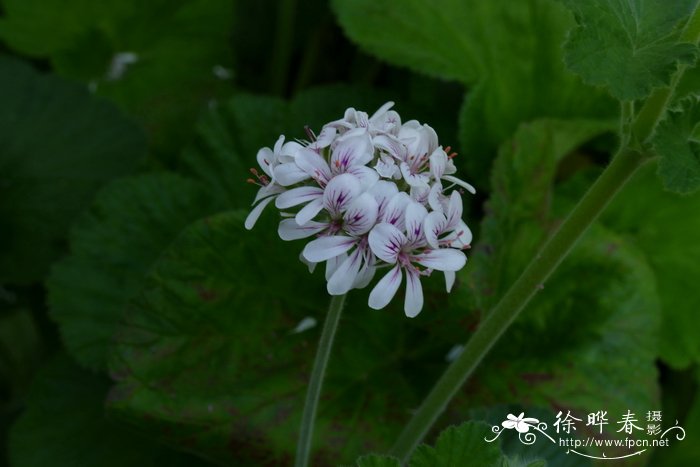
[373, 193]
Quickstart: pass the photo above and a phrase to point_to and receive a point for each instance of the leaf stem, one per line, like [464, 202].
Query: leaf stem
[318, 372]
[623, 165]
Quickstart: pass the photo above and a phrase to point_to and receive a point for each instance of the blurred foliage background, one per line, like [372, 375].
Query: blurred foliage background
[140, 324]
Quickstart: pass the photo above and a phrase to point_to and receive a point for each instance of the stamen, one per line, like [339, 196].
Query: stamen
[310, 133]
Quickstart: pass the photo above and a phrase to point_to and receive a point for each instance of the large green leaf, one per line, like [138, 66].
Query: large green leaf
[508, 52]
[207, 355]
[157, 59]
[65, 426]
[676, 142]
[58, 145]
[666, 227]
[112, 247]
[629, 46]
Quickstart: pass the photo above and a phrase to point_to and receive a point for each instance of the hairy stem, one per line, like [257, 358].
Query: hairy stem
[318, 372]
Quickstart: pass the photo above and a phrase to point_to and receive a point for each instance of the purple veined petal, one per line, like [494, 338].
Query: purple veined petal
[386, 288]
[386, 242]
[438, 163]
[367, 176]
[454, 210]
[418, 180]
[344, 276]
[383, 191]
[255, 213]
[459, 182]
[460, 237]
[297, 196]
[313, 164]
[387, 168]
[288, 229]
[325, 248]
[450, 277]
[395, 212]
[340, 192]
[381, 111]
[309, 211]
[433, 226]
[268, 190]
[391, 145]
[420, 194]
[361, 215]
[415, 216]
[266, 160]
[361, 119]
[364, 277]
[350, 152]
[288, 174]
[414, 294]
[333, 263]
[444, 259]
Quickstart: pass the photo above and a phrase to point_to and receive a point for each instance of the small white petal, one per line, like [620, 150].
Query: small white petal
[444, 259]
[266, 160]
[381, 111]
[386, 288]
[289, 229]
[289, 151]
[438, 163]
[340, 192]
[454, 210]
[461, 183]
[395, 212]
[309, 211]
[325, 248]
[434, 225]
[414, 294]
[449, 280]
[325, 138]
[350, 152]
[255, 213]
[418, 180]
[361, 215]
[310, 264]
[313, 164]
[386, 242]
[278, 144]
[383, 191]
[344, 276]
[415, 215]
[297, 196]
[288, 174]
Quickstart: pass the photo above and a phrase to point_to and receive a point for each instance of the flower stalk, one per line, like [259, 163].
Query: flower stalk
[318, 372]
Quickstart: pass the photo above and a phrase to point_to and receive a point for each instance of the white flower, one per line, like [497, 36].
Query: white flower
[522, 425]
[368, 193]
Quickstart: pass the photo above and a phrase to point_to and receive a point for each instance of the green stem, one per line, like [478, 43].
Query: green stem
[532, 279]
[318, 372]
[655, 106]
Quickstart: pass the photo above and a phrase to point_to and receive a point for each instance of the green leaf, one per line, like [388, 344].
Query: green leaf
[176, 45]
[112, 247]
[508, 52]
[58, 145]
[20, 353]
[65, 426]
[463, 445]
[207, 355]
[678, 146]
[682, 452]
[665, 226]
[630, 47]
[230, 134]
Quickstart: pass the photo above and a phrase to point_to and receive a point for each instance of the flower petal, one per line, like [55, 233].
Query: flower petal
[325, 248]
[350, 152]
[309, 211]
[454, 210]
[364, 277]
[383, 191]
[366, 175]
[449, 280]
[288, 229]
[386, 242]
[333, 263]
[314, 165]
[255, 213]
[344, 276]
[381, 111]
[438, 163]
[415, 215]
[414, 294]
[266, 160]
[459, 182]
[340, 192]
[268, 190]
[361, 215]
[386, 288]
[418, 180]
[288, 174]
[434, 225]
[444, 259]
[395, 212]
[297, 196]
